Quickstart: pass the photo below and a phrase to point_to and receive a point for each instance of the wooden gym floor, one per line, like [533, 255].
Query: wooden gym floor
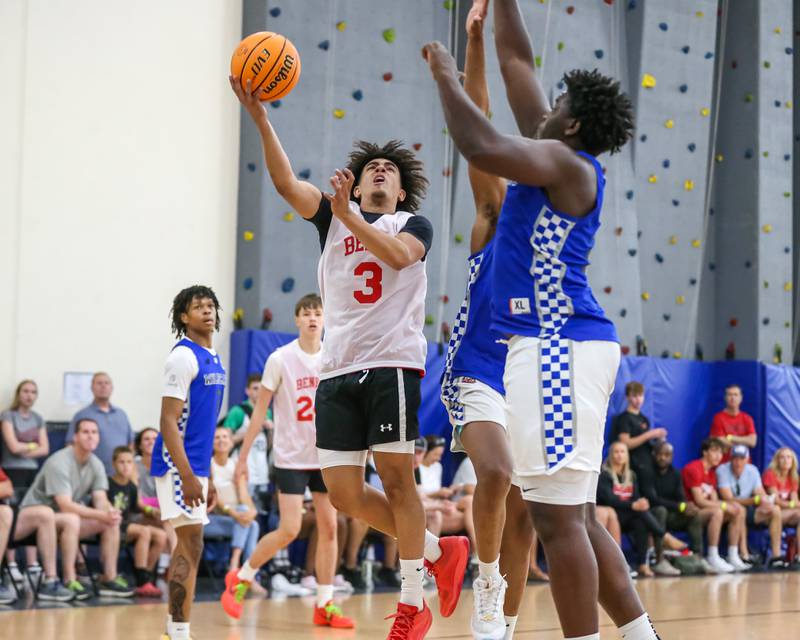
[737, 607]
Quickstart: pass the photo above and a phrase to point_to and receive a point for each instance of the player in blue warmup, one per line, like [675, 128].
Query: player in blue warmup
[194, 383]
[563, 352]
[472, 391]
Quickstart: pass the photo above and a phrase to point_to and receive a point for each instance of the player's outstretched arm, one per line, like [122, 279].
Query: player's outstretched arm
[539, 163]
[525, 93]
[488, 190]
[253, 429]
[302, 196]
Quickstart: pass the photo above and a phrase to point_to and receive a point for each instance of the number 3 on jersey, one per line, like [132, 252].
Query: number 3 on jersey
[305, 409]
[372, 288]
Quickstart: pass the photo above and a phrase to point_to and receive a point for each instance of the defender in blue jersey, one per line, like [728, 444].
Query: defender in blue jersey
[563, 352]
[473, 393]
[194, 383]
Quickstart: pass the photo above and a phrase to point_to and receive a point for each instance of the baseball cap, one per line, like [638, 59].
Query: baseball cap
[740, 451]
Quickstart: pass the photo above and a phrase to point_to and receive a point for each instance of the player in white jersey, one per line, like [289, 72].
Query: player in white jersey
[291, 377]
[373, 283]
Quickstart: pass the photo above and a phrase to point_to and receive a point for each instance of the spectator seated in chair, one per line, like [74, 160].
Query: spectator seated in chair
[781, 482]
[66, 479]
[146, 485]
[148, 541]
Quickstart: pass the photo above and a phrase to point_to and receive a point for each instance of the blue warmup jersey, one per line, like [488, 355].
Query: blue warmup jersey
[199, 419]
[539, 284]
[474, 351]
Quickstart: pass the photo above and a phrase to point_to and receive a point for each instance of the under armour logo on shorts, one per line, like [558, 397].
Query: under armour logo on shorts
[386, 427]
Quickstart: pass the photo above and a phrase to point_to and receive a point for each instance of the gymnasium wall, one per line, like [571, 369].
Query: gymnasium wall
[683, 248]
[118, 167]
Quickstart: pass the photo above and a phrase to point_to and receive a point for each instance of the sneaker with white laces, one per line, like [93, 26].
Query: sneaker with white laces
[342, 585]
[664, 568]
[309, 582]
[737, 564]
[16, 575]
[719, 564]
[707, 568]
[488, 622]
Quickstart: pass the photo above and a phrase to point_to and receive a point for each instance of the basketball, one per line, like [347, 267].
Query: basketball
[270, 61]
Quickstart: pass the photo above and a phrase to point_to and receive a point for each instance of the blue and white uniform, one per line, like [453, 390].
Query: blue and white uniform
[563, 353]
[195, 375]
[472, 381]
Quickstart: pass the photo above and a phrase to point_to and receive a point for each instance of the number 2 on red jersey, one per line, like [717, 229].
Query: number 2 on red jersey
[305, 409]
[372, 288]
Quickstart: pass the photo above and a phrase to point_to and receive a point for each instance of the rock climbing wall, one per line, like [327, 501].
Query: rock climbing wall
[697, 219]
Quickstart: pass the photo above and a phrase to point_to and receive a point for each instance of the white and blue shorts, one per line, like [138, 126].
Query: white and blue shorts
[470, 400]
[169, 491]
[557, 393]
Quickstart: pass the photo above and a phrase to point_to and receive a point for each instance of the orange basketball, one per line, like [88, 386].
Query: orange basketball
[270, 61]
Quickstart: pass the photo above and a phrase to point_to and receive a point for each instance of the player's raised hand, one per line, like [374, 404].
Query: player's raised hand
[248, 96]
[476, 18]
[342, 183]
[439, 59]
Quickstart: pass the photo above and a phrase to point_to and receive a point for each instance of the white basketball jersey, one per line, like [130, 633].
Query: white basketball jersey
[293, 376]
[374, 314]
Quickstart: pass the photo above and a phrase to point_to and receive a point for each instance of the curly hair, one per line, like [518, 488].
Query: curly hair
[604, 111]
[412, 178]
[183, 301]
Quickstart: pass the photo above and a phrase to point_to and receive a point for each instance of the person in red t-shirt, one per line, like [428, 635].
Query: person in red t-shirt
[781, 480]
[700, 483]
[732, 425]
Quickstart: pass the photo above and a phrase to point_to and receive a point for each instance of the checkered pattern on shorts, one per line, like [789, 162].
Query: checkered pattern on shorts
[553, 306]
[177, 485]
[557, 402]
[450, 390]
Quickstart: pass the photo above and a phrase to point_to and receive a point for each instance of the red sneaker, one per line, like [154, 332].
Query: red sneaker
[331, 616]
[148, 590]
[449, 571]
[234, 594]
[410, 623]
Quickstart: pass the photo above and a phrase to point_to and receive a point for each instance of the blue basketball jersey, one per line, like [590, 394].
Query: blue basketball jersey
[200, 412]
[474, 351]
[539, 284]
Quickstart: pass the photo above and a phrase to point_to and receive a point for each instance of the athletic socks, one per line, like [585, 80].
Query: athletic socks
[489, 569]
[247, 573]
[713, 552]
[733, 554]
[142, 577]
[511, 623]
[324, 594]
[177, 630]
[639, 629]
[411, 582]
[432, 549]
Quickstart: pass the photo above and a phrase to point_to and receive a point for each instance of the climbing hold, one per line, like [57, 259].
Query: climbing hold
[629, 195]
[341, 25]
[631, 252]
[659, 258]
[765, 154]
[338, 114]
[598, 53]
[787, 286]
[570, 10]
[537, 60]
[669, 124]
[708, 55]
[560, 46]
[683, 88]
[666, 317]
[673, 240]
[247, 283]
[648, 81]
[789, 51]
[705, 111]
[387, 77]
[625, 349]
[711, 266]
[691, 146]
[287, 285]
[609, 2]
[788, 104]
[389, 35]
[251, 166]
[734, 64]
[747, 264]
[275, 12]
[748, 97]
[767, 228]
[288, 216]
[639, 233]
[607, 289]
[665, 164]
[748, 153]
[275, 104]
[679, 299]
[429, 319]
[777, 30]
[447, 172]
[688, 185]
[787, 157]
[459, 238]
[695, 244]
[719, 157]
[692, 281]
[645, 295]
[733, 322]
[663, 26]
[675, 203]
[248, 236]
[643, 137]
[787, 194]
[618, 231]
[765, 321]
[787, 249]
[304, 174]
[623, 312]
[358, 95]
[416, 146]
[445, 298]
[766, 284]
[677, 355]
[685, 48]
[448, 5]
[652, 178]
[767, 64]
[324, 45]
[699, 14]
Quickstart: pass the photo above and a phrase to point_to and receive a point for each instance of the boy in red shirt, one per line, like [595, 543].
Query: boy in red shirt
[732, 425]
[700, 483]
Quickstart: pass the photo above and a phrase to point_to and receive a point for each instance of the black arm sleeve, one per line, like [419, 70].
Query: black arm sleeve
[606, 496]
[322, 220]
[422, 229]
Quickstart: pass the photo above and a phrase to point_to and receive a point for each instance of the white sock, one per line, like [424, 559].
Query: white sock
[324, 594]
[179, 631]
[591, 636]
[639, 629]
[411, 582]
[432, 549]
[489, 569]
[247, 573]
[169, 622]
[733, 553]
[713, 552]
[511, 623]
